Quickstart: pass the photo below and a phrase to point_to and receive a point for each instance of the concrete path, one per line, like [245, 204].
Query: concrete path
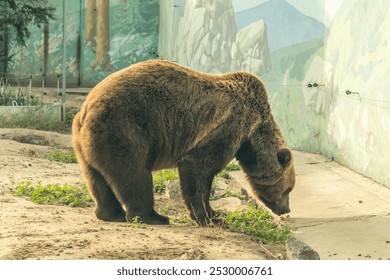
[339, 213]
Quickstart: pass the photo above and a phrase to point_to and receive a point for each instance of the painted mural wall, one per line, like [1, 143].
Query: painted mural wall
[102, 36]
[310, 54]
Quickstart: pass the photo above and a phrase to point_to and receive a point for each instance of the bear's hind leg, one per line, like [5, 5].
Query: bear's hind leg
[134, 188]
[108, 208]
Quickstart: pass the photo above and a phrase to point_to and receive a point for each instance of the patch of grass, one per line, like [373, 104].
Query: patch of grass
[225, 172]
[258, 223]
[230, 193]
[16, 96]
[232, 167]
[69, 116]
[136, 223]
[33, 121]
[183, 219]
[55, 194]
[161, 177]
[65, 157]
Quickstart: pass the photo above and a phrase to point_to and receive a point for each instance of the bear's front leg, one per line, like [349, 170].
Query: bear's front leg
[196, 186]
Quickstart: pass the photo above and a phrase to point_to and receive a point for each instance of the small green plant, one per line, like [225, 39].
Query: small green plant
[34, 121]
[65, 157]
[69, 116]
[164, 211]
[11, 96]
[161, 177]
[225, 172]
[183, 219]
[230, 193]
[258, 223]
[55, 194]
[136, 223]
[232, 167]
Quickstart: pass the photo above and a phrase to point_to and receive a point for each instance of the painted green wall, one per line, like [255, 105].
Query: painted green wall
[133, 36]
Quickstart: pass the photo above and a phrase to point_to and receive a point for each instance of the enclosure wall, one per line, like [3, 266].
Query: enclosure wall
[325, 63]
[102, 36]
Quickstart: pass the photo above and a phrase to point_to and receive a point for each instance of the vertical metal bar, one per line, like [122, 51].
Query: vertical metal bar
[82, 38]
[45, 50]
[63, 99]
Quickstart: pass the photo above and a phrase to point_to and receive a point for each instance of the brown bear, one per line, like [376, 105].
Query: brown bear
[157, 114]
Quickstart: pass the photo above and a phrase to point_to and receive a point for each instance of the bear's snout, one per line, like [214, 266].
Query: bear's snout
[279, 208]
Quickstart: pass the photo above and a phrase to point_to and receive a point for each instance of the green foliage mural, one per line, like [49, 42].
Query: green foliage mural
[102, 36]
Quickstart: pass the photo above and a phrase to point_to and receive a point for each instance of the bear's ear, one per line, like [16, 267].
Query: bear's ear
[284, 157]
[246, 154]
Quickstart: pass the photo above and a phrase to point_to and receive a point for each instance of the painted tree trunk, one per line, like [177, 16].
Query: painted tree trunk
[123, 12]
[90, 31]
[103, 36]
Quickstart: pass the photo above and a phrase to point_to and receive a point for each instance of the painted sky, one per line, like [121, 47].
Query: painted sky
[322, 10]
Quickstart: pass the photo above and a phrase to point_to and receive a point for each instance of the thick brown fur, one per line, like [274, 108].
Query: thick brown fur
[158, 114]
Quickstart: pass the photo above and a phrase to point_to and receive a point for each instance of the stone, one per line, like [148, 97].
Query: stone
[244, 193]
[213, 26]
[235, 52]
[250, 35]
[203, 60]
[209, 63]
[215, 46]
[225, 54]
[228, 27]
[206, 44]
[252, 43]
[218, 7]
[235, 65]
[220, 188]
[252, 201]
[227, 204]
[172, 190]
[298, 250]
[256, 66]
[197, 39]
[195, 60]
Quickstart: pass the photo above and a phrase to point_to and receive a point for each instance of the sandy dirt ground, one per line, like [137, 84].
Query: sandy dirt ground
[32, 231]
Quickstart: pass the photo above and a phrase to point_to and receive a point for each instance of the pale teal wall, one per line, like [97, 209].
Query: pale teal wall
[356, 128]
[339, 45]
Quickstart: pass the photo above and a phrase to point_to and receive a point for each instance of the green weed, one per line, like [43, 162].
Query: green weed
[225, 172]
[55, 194]
[161, 177]
[258, 223]
[34, 121]
[16, 96]
[136, 223]
[65, 157]
[183, 219]
[230, 193]
[232, 167]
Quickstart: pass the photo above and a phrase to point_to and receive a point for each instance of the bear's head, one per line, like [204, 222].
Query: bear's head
[269, 167]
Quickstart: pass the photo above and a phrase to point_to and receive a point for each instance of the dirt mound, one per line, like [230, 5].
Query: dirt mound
[37, 137]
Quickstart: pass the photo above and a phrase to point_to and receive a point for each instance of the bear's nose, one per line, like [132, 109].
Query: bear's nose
[282, 211]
